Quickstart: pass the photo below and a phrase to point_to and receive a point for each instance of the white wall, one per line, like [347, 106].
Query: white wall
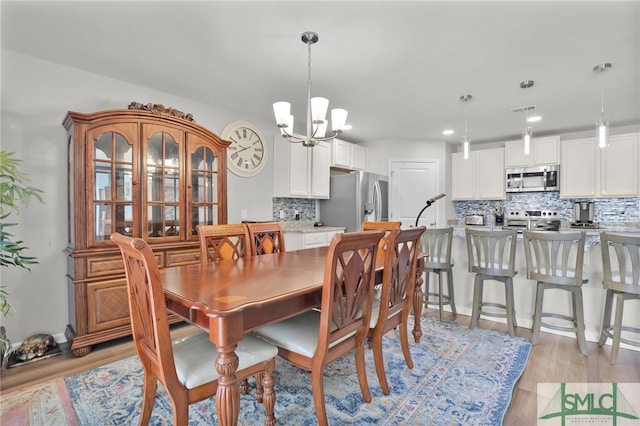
[36, 95]
[381, 152]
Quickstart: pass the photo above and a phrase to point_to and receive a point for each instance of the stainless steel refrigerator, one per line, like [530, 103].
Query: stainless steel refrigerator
[355, 197]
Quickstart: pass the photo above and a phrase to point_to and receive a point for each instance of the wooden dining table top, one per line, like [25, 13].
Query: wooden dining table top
[232, 297]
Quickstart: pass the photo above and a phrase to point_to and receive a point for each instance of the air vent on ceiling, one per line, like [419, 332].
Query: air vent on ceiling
[524, 108]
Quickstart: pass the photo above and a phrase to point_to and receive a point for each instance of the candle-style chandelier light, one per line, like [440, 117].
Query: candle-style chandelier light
[316, 111]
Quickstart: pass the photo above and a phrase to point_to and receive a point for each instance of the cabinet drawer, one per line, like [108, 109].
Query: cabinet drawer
[314, 238]
[108, 305]
[101, 266]
[182, 257]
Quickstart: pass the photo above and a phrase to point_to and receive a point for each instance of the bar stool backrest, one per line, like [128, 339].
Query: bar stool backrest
[621, 262]
[492, 252]
[555, 258]
[436, 243]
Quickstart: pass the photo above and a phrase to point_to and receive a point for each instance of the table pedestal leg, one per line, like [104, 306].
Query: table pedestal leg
[228, 393]
[418, 297]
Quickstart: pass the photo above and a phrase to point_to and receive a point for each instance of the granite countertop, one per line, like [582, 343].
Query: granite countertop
[593, 234]
[304, 226]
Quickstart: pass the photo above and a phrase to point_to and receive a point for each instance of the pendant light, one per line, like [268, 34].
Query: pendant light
[465, 139]
[527, 132]
[602, 125]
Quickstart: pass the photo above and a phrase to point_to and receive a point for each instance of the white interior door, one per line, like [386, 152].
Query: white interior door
[411, 184]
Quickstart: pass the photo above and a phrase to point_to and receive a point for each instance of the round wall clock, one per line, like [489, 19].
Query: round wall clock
[247, 154]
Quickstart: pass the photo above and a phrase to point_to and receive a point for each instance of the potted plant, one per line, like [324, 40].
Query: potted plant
[14, 192]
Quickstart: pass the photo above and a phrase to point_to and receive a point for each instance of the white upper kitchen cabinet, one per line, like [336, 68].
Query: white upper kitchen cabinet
[299, 171]
[347, 155]
[480, 177]
[543, 151]
[589, 171]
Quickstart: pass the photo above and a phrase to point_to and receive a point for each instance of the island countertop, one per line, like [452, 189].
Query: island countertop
[308, 227]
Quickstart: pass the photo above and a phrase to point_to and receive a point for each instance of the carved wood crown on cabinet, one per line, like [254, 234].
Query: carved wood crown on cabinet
[143, 174]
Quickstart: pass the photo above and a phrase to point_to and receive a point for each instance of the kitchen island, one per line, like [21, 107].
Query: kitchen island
[525, 289]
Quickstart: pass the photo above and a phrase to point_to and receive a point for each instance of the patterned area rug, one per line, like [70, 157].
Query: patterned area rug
[38, 405]
[460, 376]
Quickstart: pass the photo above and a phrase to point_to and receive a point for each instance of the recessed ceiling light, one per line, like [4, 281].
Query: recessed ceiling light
[447, 132]
[534, 118]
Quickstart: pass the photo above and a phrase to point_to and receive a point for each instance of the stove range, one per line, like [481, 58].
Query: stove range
[585, 225]
[535, 220]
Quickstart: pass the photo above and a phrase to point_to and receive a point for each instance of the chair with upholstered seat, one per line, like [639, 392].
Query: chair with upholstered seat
[621, 279]
[318, 337]
[185, 367]
[437, 244]
[369, 225]
[492, 257]
[554, 261]
[265, 238]
[393, 307]
[223, 242]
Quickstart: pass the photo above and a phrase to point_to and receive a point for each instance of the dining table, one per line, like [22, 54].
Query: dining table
[230, 298]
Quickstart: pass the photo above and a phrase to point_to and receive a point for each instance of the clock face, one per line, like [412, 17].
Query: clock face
[247, 154]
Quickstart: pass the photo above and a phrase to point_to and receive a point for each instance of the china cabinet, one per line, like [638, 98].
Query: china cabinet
[480, 177]
[145, 174]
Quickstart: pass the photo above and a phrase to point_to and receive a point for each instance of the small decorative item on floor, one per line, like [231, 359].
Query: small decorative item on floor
[34, 348]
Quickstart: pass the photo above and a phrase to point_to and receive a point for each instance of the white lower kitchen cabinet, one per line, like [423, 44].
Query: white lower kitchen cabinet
[303, 240]
[587, 171]
[480, 177]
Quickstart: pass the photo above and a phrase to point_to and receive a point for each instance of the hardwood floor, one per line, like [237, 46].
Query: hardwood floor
[554, 359]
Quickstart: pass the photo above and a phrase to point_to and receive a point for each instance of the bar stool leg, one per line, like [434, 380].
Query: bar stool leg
[511, 312]
[440, 292]
[578, 314]
[537, 315]
[617, 329]
[452, 299]
[477, 301]
[426, 289]
[606, 320]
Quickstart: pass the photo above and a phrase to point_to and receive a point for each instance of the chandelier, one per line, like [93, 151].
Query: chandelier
[316, 111]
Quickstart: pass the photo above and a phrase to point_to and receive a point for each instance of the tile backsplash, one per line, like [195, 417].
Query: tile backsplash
[605, 209]
[306, 209]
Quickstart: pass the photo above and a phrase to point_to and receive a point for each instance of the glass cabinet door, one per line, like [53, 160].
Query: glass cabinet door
[163, 188]
[112, 187]
[204, 188]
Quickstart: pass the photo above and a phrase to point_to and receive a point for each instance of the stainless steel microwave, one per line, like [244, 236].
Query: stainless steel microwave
[532, 179]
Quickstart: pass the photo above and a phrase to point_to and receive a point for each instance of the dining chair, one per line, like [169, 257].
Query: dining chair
[492, 256]
[316, 338]
[265, 238]
[436, 242]
[555, 261]
[392, 309]
[386, 226]
[223, 242]
[621, 280]
[368, 225]
[185, 366]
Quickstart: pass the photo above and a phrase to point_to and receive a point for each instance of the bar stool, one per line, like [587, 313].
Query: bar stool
[621, 278]
[437, 244]
[555, 261]
[492, 257]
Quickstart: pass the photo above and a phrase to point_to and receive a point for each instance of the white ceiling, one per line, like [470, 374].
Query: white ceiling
[399, 68]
